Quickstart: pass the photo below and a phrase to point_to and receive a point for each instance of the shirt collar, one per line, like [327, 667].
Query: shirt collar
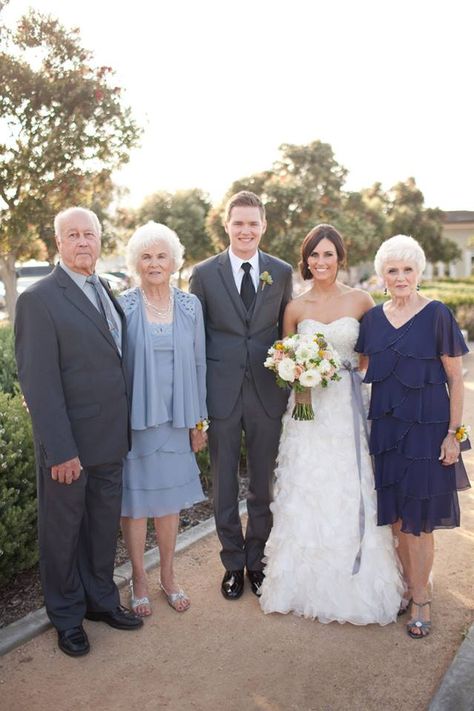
[236, 262]
[79, 279]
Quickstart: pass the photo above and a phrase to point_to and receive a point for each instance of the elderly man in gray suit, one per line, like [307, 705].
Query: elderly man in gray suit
[243, 292]
[69, 347]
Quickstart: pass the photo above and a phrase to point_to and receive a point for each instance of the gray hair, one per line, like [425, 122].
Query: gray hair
[147, 236]
[400, 248]
[65, 213]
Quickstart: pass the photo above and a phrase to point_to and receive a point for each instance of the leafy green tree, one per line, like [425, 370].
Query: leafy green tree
[304, 188]
[185, 212]
[407, 215]
[63, 130]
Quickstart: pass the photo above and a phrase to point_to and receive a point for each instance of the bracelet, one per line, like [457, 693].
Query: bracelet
[203, 425]
[461, 433]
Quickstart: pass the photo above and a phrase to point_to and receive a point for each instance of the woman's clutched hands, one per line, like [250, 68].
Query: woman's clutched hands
[450, 448]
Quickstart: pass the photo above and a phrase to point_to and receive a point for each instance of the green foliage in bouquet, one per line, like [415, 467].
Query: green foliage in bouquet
[18, 536]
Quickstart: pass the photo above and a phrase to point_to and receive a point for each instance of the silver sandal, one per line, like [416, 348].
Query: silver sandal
[424, 626]
[136, 602]
[176, 597]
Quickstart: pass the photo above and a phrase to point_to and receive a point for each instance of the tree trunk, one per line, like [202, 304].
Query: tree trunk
[8, 276]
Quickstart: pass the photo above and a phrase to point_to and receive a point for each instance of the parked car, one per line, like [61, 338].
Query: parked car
[28, 274]
[118, 281]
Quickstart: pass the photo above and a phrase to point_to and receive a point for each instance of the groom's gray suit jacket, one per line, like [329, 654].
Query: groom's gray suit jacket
[236, 339]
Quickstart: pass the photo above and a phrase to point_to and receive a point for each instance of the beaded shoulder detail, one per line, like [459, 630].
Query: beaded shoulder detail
[129, 300]
[186, 301]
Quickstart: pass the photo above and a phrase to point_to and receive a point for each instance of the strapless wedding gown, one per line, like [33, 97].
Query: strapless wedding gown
[316, 532]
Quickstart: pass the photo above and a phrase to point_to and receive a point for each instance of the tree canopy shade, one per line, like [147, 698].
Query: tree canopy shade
[63, 130]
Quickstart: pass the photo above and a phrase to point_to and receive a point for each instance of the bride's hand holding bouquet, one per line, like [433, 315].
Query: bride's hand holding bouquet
[303, 362]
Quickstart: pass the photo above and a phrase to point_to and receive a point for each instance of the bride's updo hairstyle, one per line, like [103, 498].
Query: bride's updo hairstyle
[313, 238]
[400, 248]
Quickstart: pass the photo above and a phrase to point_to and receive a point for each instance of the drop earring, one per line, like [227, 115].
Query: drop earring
[385, 292]
[418, 287]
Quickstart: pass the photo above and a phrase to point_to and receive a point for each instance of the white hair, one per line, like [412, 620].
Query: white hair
[147, 236]
[400, 248]
[68, 211]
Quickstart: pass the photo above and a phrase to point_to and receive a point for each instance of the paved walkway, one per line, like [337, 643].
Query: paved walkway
[223, 655]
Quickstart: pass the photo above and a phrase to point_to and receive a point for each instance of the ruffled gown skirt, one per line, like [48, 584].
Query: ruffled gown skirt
[315, 538]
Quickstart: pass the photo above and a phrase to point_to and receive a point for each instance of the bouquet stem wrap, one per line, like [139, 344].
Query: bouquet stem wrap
[303, 409]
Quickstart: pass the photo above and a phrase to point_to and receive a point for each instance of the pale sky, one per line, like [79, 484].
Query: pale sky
[219, 85]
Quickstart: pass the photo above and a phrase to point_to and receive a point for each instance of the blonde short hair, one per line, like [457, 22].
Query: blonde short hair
[147, 236]
[400, 248]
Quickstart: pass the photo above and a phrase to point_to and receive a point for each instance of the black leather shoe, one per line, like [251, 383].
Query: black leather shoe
[232, 585]
[73, 641]
[256, 579]
[120, 618]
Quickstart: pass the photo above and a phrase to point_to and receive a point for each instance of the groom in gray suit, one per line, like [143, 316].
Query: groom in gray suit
[70, 353]
[243, 292]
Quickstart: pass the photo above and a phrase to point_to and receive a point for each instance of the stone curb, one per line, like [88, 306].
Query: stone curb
[456, 691]
[34, 623]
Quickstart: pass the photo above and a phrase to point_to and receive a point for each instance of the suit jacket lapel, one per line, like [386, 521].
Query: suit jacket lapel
[77, 297]
[225, 273]
[263, 265]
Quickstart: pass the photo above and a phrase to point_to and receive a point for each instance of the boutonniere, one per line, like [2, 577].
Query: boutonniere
[266, 278]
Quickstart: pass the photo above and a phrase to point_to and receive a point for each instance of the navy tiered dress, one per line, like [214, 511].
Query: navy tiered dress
[409, 410]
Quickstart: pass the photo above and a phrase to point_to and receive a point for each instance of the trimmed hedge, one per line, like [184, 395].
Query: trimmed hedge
[18, 534]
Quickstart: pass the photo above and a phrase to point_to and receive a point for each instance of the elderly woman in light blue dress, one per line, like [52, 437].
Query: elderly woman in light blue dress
[167, 369]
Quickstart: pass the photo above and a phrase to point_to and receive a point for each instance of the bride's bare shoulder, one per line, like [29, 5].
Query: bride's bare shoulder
[295, 306]
[360, 300]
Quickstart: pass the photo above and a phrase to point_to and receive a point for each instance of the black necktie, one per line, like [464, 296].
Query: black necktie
[247, 289]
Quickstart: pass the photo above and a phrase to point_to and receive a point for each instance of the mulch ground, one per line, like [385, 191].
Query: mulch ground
[23, 594]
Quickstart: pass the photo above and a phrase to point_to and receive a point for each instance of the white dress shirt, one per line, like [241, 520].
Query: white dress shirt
[238, 272]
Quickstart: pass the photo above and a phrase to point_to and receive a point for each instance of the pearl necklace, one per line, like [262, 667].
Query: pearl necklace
[154, 309]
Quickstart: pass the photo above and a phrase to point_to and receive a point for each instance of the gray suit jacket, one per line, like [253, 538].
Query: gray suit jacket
[236, 339]
[71, 374]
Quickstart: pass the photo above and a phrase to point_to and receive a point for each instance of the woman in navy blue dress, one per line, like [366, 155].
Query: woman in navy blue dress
[414, 348]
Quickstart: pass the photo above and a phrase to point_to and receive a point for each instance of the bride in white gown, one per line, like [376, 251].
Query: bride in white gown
[325, 557]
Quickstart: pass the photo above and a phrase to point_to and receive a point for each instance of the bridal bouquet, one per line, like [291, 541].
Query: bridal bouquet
[303, 361]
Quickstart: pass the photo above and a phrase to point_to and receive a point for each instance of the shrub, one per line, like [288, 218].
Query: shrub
[8, 371]
[465, 319]
[18, 536]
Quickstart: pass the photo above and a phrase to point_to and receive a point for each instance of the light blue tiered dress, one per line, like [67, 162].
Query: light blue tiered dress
[166, 365]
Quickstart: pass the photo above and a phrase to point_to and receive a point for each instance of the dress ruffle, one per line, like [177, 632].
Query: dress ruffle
[410, 415]
[315, 537]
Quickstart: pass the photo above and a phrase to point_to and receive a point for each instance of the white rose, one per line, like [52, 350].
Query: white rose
[304, 353]
[324, 366]
[286, 369]
[310, 378]
[269, 363]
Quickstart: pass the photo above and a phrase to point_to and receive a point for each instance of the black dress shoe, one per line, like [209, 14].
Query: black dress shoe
[232, 585]
[73, 641]
[256, 579]
[120, 618]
